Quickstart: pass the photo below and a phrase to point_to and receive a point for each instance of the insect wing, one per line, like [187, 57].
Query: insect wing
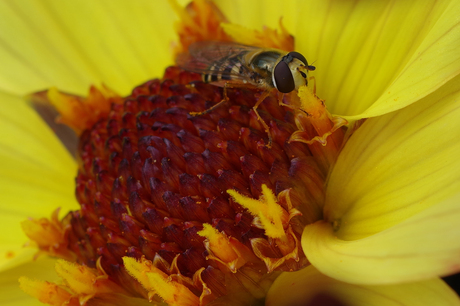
[211, 57]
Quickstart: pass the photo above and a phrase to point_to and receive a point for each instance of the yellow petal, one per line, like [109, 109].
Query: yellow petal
[433, 63]
[397, 165]
[422, 247]
[72, 45]
[360, 48]
[302, 287]
[11, 294]
[14, 253]
[36, 175]
[256, 14]
[372, 57]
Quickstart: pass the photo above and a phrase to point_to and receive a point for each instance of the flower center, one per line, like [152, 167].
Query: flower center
[199, 203]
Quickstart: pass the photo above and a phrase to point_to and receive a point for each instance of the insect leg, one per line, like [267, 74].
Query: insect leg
[281, 103]
[267, 129]
[206, 111]
[259, 101]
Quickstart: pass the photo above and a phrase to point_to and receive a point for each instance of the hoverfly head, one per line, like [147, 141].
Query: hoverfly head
[291, 72]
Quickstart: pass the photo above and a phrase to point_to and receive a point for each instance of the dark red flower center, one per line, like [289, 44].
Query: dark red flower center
[150, 175]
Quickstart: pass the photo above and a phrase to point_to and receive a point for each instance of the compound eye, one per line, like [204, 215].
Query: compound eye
[299, 56]
[284, 81]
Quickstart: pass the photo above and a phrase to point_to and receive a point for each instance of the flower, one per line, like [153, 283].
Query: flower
[394, 187]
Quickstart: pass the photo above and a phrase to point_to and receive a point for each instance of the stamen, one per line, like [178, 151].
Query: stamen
[85, 282]
[272, 217]
[49, 235]
[201, 20]
[82, 113]
[318, 128]
[158, 282]
[275, 220]
[45, 292]
[226, 250]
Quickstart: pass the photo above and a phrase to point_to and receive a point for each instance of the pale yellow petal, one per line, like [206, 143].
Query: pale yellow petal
[257, 14]
[360, 47]
[302, 287]
[422, 247]
[435, 61]
[372, 57]
[72, 44]
[397, 165]
[11, 294]
[36, 175]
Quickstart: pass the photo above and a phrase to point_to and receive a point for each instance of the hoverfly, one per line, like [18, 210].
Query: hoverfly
[232, 65]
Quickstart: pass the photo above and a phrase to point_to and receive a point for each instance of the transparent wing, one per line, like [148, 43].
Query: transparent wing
[203, 55]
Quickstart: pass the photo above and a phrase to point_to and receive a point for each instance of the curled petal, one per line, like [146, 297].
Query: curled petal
[422, 247]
